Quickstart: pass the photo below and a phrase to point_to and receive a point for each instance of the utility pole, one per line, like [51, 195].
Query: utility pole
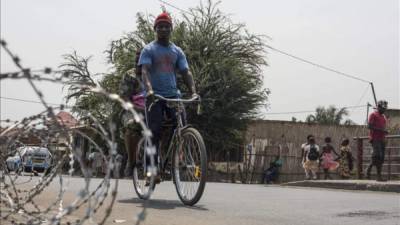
[373, 93]
[368, 105]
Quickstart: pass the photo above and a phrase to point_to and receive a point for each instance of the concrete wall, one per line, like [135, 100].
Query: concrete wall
[393, 116]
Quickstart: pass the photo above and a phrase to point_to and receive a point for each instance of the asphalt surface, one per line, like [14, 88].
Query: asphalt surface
[241, 204]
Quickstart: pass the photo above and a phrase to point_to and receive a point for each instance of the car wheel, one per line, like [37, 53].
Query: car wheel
[19, 170]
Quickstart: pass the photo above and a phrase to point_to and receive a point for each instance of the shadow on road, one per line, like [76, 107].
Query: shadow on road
[161, 204]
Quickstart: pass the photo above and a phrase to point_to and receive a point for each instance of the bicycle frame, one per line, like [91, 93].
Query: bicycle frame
[185, 156]
[176, 135]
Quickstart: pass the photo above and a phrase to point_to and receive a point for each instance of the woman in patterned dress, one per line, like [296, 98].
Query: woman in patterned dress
[346, 160]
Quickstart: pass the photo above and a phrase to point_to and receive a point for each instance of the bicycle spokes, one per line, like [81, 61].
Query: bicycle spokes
[144, 170]
[190, 167]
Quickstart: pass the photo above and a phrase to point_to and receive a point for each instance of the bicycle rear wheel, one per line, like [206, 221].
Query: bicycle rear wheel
[143, 176]
[190, 166]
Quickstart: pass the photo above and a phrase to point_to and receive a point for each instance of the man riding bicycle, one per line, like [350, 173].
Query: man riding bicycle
[160, 60]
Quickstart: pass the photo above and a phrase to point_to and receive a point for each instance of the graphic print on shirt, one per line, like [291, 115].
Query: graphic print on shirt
[165, 63]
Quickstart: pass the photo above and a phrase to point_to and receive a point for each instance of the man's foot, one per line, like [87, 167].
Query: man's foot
[128, 172]
[157, 180]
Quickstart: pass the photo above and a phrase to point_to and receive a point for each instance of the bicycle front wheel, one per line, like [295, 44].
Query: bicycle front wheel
[190, 166]
[143, 181]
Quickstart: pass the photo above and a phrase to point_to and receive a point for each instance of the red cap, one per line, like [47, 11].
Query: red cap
[163, 17]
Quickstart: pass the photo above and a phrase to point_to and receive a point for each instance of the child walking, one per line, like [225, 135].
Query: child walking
[328, 162]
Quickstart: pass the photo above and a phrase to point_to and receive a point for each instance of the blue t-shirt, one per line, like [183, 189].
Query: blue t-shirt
[164, 61]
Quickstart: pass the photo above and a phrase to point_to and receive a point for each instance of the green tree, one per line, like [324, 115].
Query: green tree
[330, 115]
[225, 59]
[80, 79]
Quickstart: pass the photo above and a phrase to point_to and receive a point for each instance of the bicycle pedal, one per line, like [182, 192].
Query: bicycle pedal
[197, 172]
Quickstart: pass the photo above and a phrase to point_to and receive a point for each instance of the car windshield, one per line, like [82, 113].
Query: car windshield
[24, 151]
[33, 151]
[41, 152]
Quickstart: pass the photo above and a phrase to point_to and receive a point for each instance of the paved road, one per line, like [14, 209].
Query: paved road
[248, 204]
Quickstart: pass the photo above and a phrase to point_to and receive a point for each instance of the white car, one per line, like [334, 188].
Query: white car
[14, 163]
[30, 158]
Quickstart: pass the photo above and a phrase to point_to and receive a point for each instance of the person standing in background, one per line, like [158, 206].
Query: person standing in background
[327, 160]
[377, 135]
[310, 159]
[346, 160]
[303, 146]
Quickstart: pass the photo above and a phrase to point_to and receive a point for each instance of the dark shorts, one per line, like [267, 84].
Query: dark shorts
[159, 113]
[378, 152]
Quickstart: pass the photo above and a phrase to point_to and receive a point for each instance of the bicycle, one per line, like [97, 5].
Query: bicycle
[186, 157]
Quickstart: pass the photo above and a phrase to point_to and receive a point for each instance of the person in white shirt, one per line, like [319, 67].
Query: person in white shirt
[303, 146]
[311, 159]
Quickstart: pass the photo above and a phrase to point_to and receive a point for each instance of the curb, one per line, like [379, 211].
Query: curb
[362, 186]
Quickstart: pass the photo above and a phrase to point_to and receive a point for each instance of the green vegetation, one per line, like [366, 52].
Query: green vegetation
[225, 59]
[330, 115]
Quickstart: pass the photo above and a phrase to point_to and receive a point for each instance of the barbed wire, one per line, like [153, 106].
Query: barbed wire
[20, 194]
[29, 101]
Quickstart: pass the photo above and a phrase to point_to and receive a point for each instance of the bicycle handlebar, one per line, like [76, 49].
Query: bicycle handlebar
[178, 99]
[195, 98]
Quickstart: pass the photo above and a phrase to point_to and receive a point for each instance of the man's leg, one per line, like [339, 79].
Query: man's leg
[379, 172]
[154, 122]
[171, 114]
[265, 177]
[314, 174]
[307, 171]
[326, 174]
[369, 170]
[273, 176]
[380, 159]
[374, 158]
[131, 140]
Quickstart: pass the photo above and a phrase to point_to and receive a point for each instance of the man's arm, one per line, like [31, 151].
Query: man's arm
[188, 79]
[337, 155]
[372, 127]
[303, 153]
[146, 79]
